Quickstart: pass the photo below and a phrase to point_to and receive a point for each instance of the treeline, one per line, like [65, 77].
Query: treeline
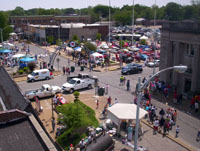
[172, 11]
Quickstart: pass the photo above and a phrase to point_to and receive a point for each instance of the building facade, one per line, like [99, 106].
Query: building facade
[40, 33]
[180, 45]
[20, 22]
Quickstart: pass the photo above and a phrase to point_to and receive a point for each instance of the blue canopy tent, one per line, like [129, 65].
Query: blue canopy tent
[5, 51]
[25, 61]
[101, 51]
[78, 49]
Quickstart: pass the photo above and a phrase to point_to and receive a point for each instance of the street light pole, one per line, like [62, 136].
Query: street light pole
[109, 20]
[154, 37]
[137, 115]
[133, 23]
[180, 69]
[58, 34]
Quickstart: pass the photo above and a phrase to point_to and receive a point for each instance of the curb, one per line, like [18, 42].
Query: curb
[178, 141]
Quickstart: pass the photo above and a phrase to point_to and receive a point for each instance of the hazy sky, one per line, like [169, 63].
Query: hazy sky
[27, 4]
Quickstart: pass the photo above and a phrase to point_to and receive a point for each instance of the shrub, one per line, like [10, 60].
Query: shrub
[21, 71]
[25, 69]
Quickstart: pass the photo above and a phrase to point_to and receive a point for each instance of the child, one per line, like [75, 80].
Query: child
[177, 130]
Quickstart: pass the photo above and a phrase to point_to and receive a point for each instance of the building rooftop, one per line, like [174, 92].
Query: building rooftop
[18, 133]
[11, 95]
[182, 26]
[36, 16]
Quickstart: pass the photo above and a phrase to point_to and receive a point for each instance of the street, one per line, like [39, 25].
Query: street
[188, 124]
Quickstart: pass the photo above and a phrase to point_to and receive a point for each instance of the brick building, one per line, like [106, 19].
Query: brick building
[39, 33]
[20, 22]
[180, 44]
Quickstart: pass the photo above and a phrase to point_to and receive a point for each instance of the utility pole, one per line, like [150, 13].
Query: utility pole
[133, 23]
[154, 37]
[109, 20]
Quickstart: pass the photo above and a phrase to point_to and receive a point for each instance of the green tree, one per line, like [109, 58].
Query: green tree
[174, 11]
[75, 38]
[50, 39]
[58, 42]
[90, 46]
[102, 10]
[31, 66]
[98, 36]
[18, 11]
[143, 42]
[76, 96]
[77, 117]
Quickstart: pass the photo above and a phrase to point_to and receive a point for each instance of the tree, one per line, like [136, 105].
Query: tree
[31, 66]
[58, 42]
[98, 36]
[76, 96]
[90, 46]
[50, 39]
[174, 11]
[75, 38]
[143, 42]
[18, 11]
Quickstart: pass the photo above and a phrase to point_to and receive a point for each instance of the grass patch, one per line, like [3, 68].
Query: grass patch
[77, 117]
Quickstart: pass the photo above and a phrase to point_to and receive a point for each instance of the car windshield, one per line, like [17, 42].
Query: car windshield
[71, 81]
[33, 73]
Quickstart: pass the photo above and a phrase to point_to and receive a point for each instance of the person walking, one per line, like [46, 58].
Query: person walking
[196, 106]
[109, 101]
[53, 124]
[97, 104]
[64, 70]
[198, 135]
[116, 101]
[177, 130]
[128, 85]
[107, 86]
[175, 97]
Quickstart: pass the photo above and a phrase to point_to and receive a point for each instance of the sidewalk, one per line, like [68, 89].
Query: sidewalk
[184, 106]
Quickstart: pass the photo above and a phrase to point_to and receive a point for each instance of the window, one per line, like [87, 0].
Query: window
[190, 50]
[189, 70]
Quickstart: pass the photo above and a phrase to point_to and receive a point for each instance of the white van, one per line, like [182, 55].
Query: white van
[43, 74]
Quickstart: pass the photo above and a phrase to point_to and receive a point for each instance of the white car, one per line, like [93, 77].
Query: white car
[45, 91]
[152, 64]
[76, 84]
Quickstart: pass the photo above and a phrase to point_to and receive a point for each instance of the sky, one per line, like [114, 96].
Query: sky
[28, 4]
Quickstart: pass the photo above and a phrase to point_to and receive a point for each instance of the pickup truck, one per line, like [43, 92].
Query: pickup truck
[76, 84]
[45, 91]
[83, 76]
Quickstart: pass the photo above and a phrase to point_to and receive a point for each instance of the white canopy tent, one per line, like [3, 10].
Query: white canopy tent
[18, 55]
[121, 111]
[13, 34]
[97, 57]
[143, 38]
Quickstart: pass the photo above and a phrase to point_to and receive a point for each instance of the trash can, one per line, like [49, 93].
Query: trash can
[72, 68]
[101, 91]
[82, 68]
